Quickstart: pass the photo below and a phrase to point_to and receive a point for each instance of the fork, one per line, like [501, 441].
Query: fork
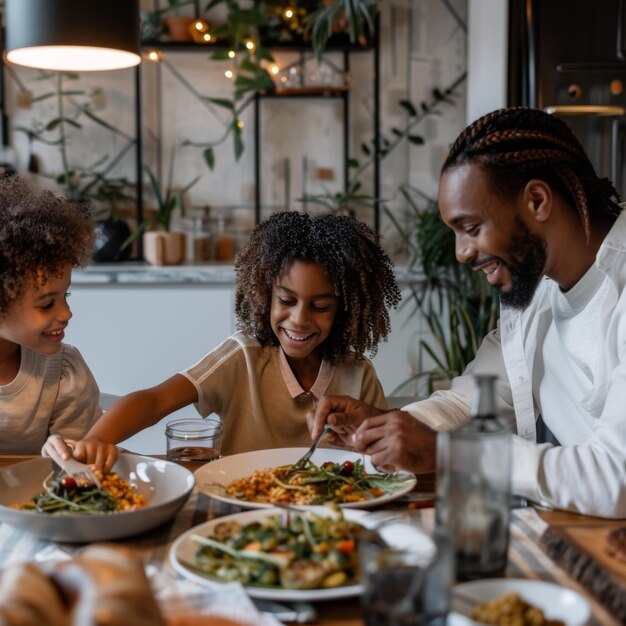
[80, 472]
[302, 461]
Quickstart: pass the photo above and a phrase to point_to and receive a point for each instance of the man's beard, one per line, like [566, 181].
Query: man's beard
[529, 250]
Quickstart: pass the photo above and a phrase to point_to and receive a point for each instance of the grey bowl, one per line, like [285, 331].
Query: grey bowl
[167, 487]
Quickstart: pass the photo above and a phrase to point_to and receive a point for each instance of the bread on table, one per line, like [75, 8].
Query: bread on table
[102, 585]
[29, 598]
[106, 585]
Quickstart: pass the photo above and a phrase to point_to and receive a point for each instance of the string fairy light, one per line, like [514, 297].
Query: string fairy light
[200, 31]
[154, 55]
[201, 26]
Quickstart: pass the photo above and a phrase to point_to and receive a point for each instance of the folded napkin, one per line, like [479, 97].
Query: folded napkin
[178, 598]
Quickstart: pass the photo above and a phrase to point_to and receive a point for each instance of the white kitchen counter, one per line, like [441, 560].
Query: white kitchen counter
[209, 274]
[141, 273]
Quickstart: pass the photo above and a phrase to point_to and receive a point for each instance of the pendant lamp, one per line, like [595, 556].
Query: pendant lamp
[72, 35]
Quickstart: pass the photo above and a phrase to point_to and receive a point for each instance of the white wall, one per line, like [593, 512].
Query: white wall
[134, 337]
[487, 51]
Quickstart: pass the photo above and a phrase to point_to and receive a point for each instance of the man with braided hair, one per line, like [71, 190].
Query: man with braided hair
[311, 299]
[528, 210]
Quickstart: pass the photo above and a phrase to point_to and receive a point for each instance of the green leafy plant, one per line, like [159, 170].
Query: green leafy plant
[152, 23]
[73, 111]
[167, 203]
[396, 136]
[354, 197]
[358, 17]
[243, 33]
[175, 5]
[456, 303]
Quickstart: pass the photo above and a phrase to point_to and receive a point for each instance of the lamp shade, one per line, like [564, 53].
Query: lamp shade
[72, 35]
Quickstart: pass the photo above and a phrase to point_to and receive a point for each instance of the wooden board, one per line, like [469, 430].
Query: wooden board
[581, 552]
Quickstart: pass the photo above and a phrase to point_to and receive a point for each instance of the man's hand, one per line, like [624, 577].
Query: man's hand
[397, 441]
[343, 413]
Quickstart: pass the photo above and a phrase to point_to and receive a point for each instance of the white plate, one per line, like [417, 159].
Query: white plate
[456, 619]
[183, 550]
[556, 602]
[165, 485]
[227, 469]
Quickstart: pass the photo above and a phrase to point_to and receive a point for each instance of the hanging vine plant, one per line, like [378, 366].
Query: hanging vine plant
[241, 42]
[74, 107]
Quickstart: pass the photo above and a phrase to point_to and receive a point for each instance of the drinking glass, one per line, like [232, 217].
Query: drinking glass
[193, 439]
[407, 573]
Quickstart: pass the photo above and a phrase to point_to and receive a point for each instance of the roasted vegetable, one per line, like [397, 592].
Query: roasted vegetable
[309, 552]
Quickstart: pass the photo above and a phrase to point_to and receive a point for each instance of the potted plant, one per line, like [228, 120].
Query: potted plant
[74, 107]
[112, 230]
[179, 26]
[356, 17]
[456, 303]
[161, 245]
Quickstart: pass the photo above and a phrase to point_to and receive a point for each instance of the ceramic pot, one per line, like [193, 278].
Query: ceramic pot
[160, 248]
[178, 27]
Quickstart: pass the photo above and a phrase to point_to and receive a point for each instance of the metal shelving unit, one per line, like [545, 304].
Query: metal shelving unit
[340, 45]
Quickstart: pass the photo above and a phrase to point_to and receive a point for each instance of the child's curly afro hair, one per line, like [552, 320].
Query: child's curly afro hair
[40, 235]
[350, 253]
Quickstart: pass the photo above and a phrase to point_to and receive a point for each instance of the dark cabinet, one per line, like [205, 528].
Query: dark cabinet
[568, 57]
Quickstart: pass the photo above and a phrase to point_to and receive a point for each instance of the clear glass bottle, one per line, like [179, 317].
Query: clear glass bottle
[474, 487]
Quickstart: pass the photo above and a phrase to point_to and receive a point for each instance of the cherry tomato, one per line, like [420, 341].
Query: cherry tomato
[328, 465]
[68, 483]
[347, 467]
[346, 546]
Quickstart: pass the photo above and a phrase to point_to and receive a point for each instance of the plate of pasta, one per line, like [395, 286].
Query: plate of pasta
[265, 478]
[521, 601]
[276, 554]
[138, 495]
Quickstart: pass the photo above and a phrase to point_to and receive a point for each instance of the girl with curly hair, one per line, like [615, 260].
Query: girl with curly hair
[311, 298]
[45, 385]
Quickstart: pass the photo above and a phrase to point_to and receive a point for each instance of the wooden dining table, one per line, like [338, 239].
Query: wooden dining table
[527, 555]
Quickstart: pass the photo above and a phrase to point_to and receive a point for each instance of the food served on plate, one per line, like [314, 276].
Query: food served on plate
[63, 495]
[511, 609]
[296, 550]
[330, 482]
[616, 544]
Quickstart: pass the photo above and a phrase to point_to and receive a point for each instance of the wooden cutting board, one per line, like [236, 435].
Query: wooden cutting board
[582, 552]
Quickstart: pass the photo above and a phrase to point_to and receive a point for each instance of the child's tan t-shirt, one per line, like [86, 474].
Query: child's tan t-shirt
[260, 402]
